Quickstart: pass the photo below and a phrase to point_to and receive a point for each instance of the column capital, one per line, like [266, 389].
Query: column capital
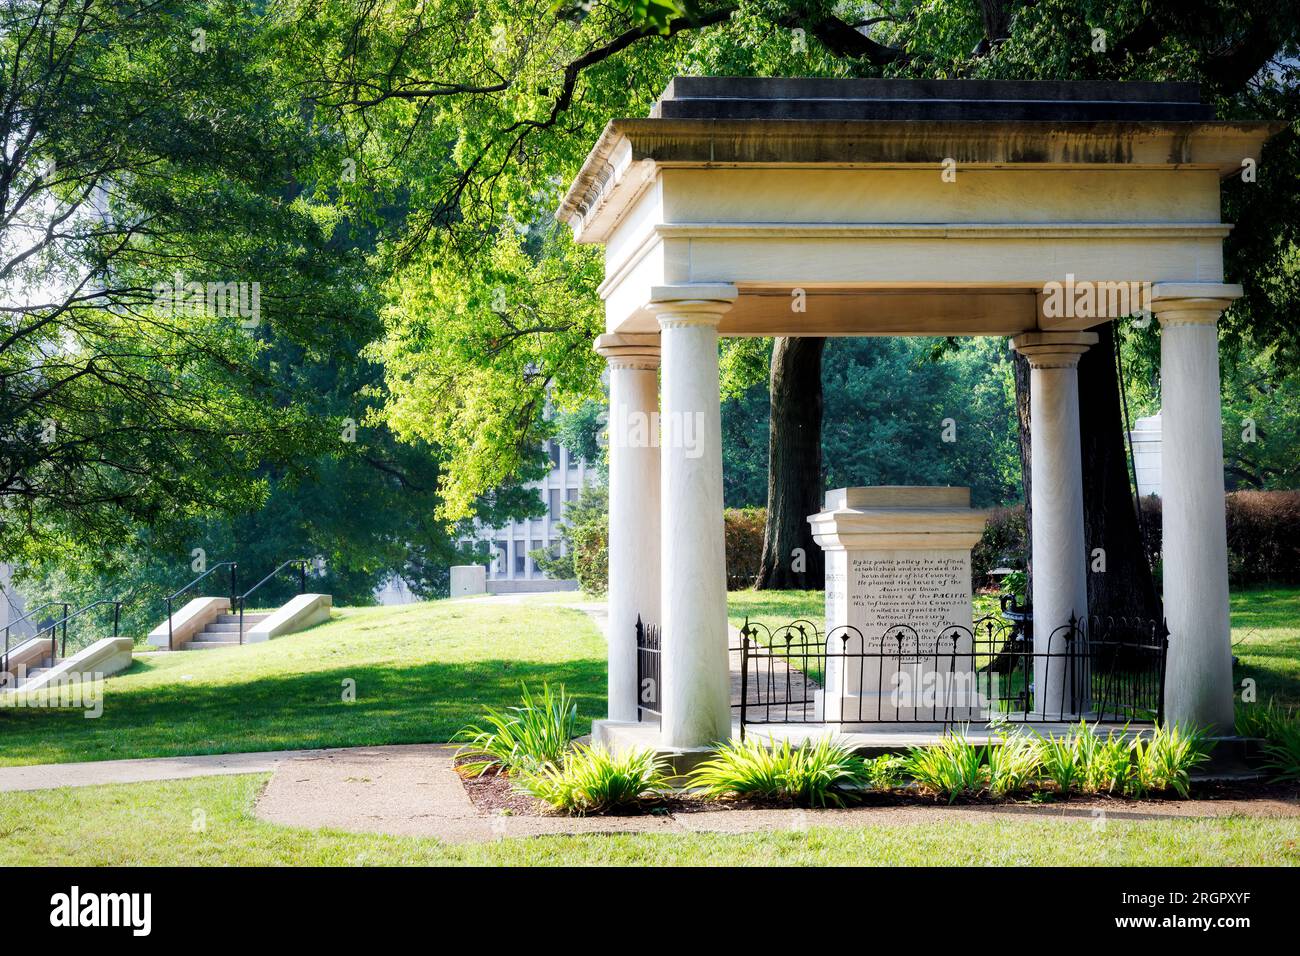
[691, 303]
[1053, 349]
[636, 350]
[1191, 303]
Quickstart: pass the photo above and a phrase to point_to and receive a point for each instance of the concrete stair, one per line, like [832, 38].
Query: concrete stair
[206, 623]
[31, 668]
[222, 632]
[31, 673]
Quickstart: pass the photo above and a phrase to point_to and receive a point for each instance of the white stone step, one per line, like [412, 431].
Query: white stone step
[215, 634]
[198, 644]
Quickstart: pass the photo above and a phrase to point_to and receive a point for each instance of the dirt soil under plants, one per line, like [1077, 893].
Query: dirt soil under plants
[416, 791]
[494, 794]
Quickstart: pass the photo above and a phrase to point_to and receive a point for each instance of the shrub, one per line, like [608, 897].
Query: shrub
[1103, 761]
[1263, 535]
[1166, 759]
[1282, 750]
[950, 768]
[1014, 765]
[585, 533]
[593, 780]
[585, 537]
[813, 774]
[1279, 728]
[528, 736]
[884, 772]
[744, 528]
[1261, 720]
[1005, 536]
[1061, 760]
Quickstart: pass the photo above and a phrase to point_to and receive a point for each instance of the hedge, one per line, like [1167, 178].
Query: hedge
[743, 528]
[1263, 537]
[589, 541]
[1005, 539]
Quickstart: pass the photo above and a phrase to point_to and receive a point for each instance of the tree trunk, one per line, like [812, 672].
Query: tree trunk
[791, 559]
[1125, 587]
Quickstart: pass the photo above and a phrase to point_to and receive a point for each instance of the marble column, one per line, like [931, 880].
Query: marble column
[1198, 673]
[633, 449]
[1059, 551]
[695, 671]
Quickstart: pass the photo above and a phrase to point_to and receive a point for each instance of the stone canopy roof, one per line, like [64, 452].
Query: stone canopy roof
[773, 98]
[768, 121]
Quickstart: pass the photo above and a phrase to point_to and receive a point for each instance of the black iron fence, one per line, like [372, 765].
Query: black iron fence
[648, 661]
[1106, 669]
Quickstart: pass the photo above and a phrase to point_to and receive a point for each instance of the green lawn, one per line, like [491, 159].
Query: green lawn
[775, 608]
[422, 671]
[153, 824]
[1266, 640]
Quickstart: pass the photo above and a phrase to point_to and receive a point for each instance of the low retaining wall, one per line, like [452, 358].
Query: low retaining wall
[304, 611]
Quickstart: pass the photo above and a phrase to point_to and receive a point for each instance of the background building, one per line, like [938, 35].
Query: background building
[1145, 438]
[13, 606]
[511, 568]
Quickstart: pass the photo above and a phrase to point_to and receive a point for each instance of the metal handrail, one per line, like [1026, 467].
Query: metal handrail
[171, 597]
[63, 623]
[302, 587]
[4, 661]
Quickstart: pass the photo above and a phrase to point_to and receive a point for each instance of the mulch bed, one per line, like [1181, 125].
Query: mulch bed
[493, 795]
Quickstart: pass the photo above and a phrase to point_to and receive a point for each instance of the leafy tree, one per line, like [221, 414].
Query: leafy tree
[148, 145]
[148, 141]
[1261, 408]
[582, 431]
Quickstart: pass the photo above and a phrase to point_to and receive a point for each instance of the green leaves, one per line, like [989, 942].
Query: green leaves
[529, 736]
[814, 774]
[1165, 759]
[593, 780]
[1061, 760]
[1279, 729]
[1079, 759]
[1014, 764]
[167, 160]
[475, 345]
[953, 767]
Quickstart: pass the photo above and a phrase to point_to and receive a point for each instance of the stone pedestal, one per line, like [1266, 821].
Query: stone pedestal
[467, 579]
[898, 605]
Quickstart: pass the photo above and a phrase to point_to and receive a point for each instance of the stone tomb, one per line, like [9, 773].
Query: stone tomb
[737, 197]
[898, 584]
